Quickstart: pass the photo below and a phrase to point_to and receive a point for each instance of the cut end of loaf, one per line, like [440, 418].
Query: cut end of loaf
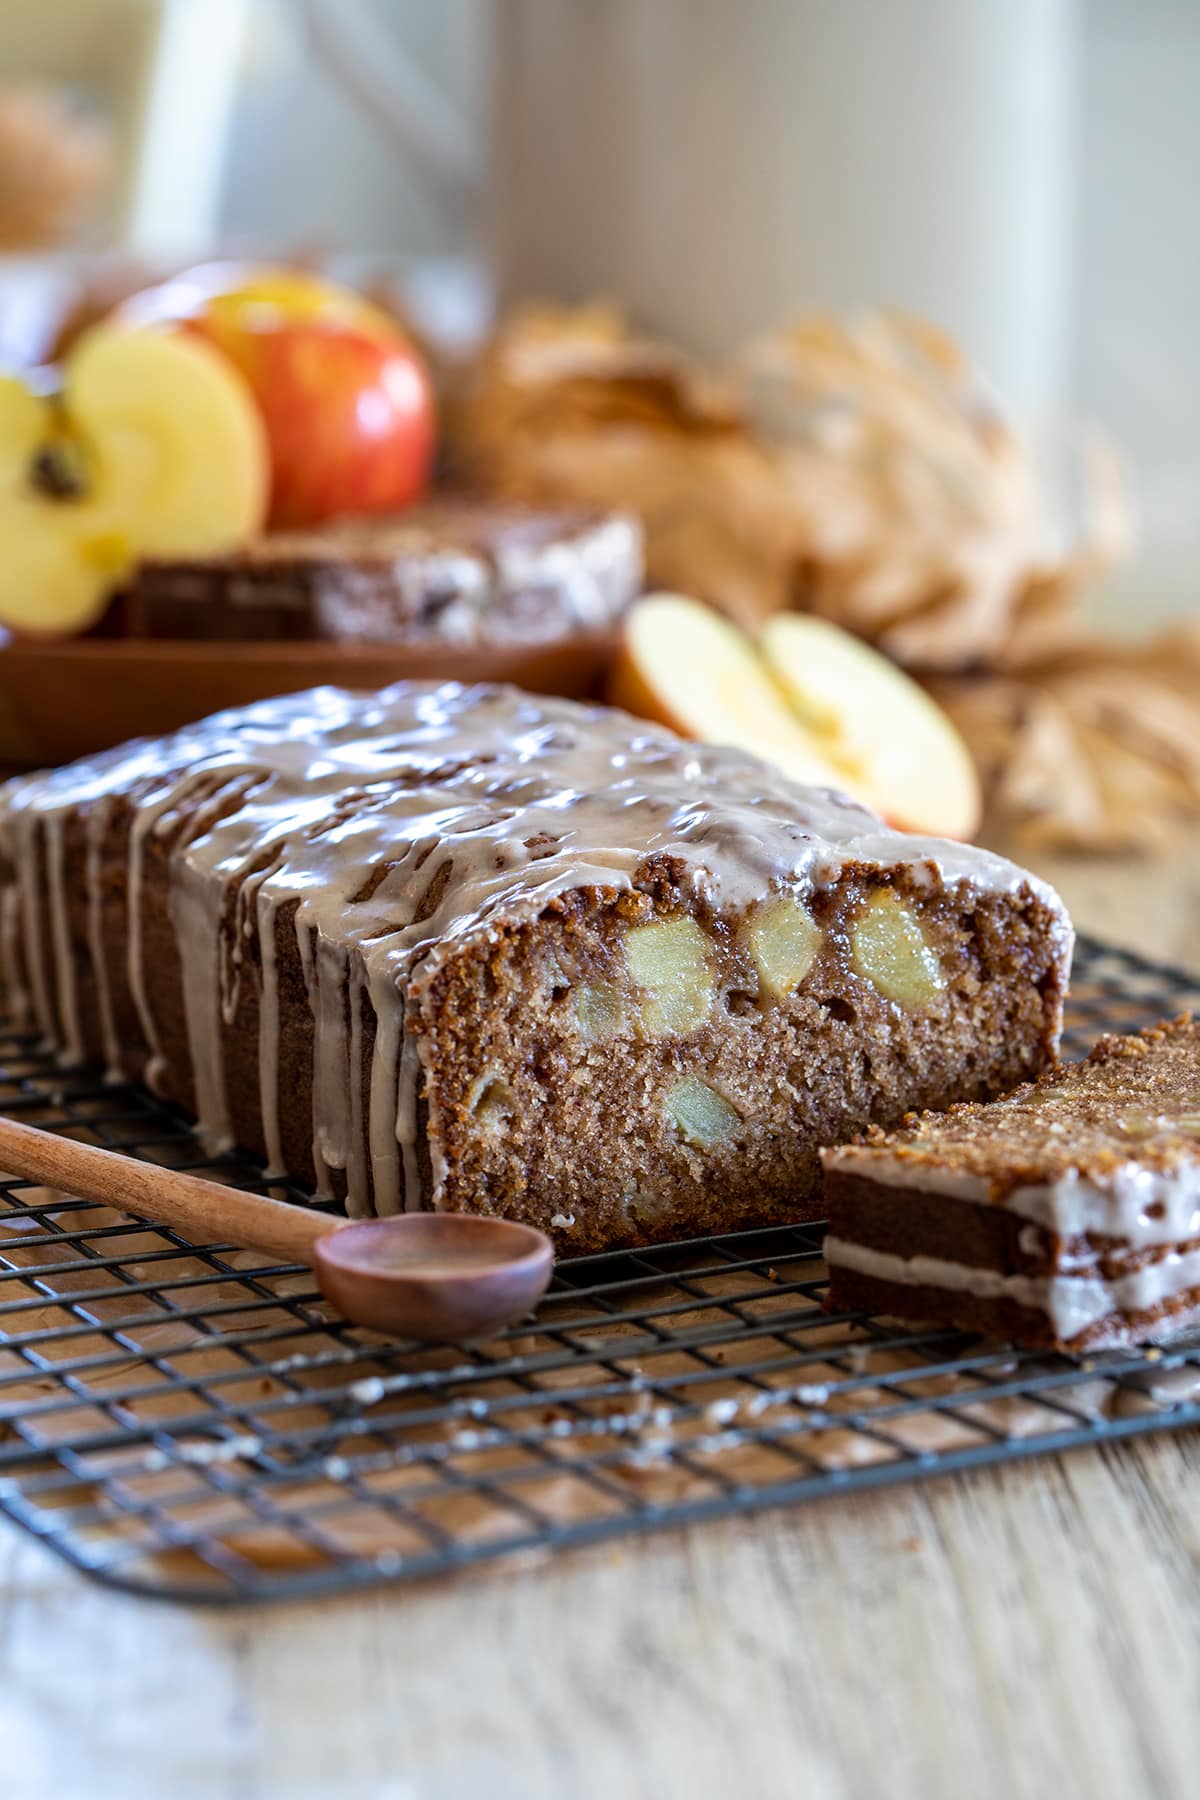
[650, 1069]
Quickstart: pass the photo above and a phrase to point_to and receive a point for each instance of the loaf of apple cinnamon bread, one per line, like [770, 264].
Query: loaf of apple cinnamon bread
[459, 948]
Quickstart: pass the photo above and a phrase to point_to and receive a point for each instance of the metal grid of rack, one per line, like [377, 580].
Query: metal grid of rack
[196, 1423]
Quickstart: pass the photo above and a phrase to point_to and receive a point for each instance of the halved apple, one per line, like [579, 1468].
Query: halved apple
[174, 439]
[683, 665]
[57, 553]
[909, 761]
[55, 580]
[25, 422]
[152, 446]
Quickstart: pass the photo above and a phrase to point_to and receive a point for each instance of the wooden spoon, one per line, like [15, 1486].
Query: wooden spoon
[438, 1277]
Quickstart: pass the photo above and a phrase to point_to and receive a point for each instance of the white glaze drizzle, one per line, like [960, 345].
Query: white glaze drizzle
[97, 823]
[328, 974]
[1072, 1302]
[149, 814]
[66, 985]
[198, 933]
[357, 1195]
[387, 1163]
[349, 807]
[37, 997]
[268, 1033]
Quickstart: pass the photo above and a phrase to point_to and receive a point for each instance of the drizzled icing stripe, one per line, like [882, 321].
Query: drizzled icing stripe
[268, 1034]
[198, 933]
[98, 823]
[148, 814]
[393, 827]
[1072, 1302]
[60, 937]
[37, 996]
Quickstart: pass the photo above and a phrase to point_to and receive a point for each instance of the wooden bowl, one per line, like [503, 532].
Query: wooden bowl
[66, 698]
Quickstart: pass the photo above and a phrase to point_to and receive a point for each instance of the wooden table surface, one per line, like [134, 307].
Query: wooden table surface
[1032, 1630]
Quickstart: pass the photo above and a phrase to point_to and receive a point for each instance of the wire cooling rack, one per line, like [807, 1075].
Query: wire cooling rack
[197, 1424]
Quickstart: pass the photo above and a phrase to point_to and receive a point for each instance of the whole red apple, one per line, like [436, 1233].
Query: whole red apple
[349, 418]
[346, 400]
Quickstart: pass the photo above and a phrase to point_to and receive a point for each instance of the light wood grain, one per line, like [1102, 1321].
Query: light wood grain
[1027, 1631]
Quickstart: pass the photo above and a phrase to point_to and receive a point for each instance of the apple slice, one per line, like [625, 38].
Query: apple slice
[56, 576]
[911, 763]
[684, 665]
[176, 443]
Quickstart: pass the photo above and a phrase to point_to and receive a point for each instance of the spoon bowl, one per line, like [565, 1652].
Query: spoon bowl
[436, 1277]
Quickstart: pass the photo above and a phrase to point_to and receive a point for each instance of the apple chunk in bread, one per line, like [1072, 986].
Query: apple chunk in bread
[910, 763]
[151, 446]
[783, 942]
[683, 665]
[889, 949]
[703, 1117]
[669, 959]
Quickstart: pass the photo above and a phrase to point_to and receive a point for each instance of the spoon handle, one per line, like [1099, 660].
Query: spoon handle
[206, 1211]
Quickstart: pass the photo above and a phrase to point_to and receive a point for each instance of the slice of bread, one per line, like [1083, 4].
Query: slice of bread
[456, 570]
[1065, 1216]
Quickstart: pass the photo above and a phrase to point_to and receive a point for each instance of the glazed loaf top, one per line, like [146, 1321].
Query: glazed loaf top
[395, 824]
